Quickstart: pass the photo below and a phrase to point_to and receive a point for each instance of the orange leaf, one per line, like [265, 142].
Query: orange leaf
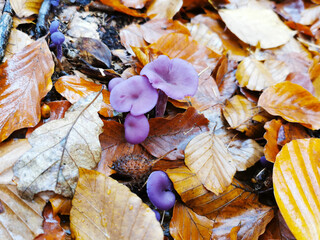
[271, 149]
[293, 103]
[26, 8]
[186, 224]
[118, 6]
[167, 134]
[296, 182]
[73, 88]
[137, 4]
[60, 205]
[24, 80]
[164, 8]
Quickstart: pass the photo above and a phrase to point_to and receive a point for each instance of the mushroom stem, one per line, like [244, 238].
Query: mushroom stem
[161, 104]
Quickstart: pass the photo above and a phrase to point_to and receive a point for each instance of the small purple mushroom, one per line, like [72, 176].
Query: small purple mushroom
[113, 82]
[57, 39]
[54, 26]
[134, 95]
[159, 190]
[157, 214]
[176, 77]
[136, 128]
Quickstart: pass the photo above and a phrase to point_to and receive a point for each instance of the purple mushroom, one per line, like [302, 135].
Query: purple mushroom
[134, 95]
[176, 77]
[136, 128]
[113, 82]
[159, 190]
[57, 38]
[54, 26]
[157, 214]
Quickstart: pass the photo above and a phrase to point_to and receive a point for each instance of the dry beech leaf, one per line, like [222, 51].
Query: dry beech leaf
[118, 6]
[290, 10]
[257, 26]
[20, 219]
[167, 134]
[289, 132]
[186, 224]
[24, 80]
[51, 226]
[203, 35]
[116, 150]
[60, 205]
[10, 151]
[59, 148]
[17, 41]
[73, 88]
[164, 8]
[137, 4]
[293, 103]
[310, 15]
[236, 204]
[131, 36]
[296, 182]
[25, 8]
[257, 76]
[102, 208]
[271, 149]
[303, 79]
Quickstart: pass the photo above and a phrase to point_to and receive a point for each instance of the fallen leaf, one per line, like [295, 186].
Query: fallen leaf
[290, 10]
[25, 8]
[164, 8]
[20, 219]
[300, 28]
[296, 182]
[61, 205]
[131, 36]
[25, 79]
[73, 88]
[102, 208]
[168, 134]
[17, 41]
[10, 151]
[59, 148]
[118, 6]
[303, 80]
[137, 4]
[116, 152]
[257, 26]
[309, 15]
[51, 226]
[293, 103]
[186, 224]
[289, 132]
[271, 149]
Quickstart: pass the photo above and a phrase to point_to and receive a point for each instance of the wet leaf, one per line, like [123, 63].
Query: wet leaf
[166, 134]
[296, 182]
[186, 224]
[24, 80]
[257, 26]
[73, 88]
[21, 219]
[51, 226]
[59, 148]
[102, 208]
[25, 8]
[293, 103]
[10, 151]
[164, 8]
[118, 6]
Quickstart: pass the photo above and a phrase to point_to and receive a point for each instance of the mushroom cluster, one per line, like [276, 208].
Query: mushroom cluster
[158, 80]
[57, 38]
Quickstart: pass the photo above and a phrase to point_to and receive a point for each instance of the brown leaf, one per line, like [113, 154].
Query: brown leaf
[186, 224]
[21, 219]
[102, 208]
[51, 226]
[299, 27]
[289, 132]
[303, 80]
[290, 10]
[118, 6]
[309, 15]
[60, 205]
[271, 149]
[73, 88]
[24, 80]
[59, 148]
[293, 103]
[164, 8]
[296, 182]
[137, 4]
[116, 151]
[131, 36]
[168, 134]
[25, 8]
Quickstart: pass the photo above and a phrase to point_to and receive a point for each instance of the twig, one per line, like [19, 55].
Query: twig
[5, 28]
[41, 28]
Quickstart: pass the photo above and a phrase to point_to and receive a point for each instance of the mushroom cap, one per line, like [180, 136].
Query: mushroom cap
[136, 128]
[134, 95]
[158, 217]
[54, 26]
[176, 77]
[113, 82]
[159, 190]
[57, 38]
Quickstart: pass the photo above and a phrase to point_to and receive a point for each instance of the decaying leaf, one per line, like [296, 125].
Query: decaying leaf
[26, 8]
[20, 219]
[168, 134]
[24, 80]
[102, 208]
[164, 8]
[257, 26]
[296, 182]
[293, 103]
[59, 148]
[118, 6]
[186, 224]
[10, 151]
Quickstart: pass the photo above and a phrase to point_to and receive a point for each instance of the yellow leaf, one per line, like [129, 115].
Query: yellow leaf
[257, 26]
[26, 8]
[293, 103]
[296, 181]
[164, 8]
[102, 208]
